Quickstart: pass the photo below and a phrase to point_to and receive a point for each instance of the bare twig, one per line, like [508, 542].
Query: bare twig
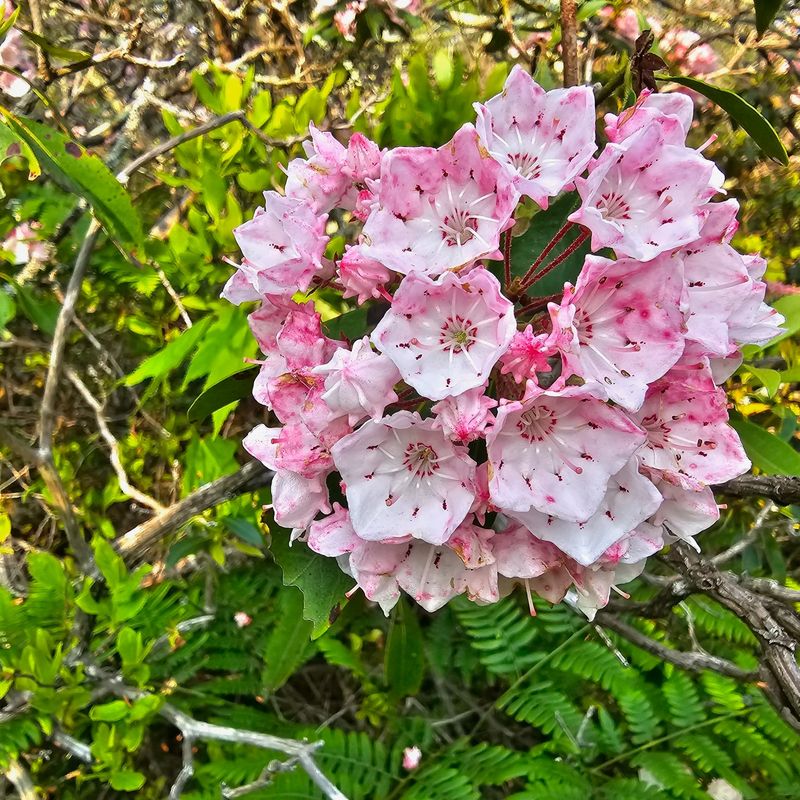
[693, 661]
[782, 489]
[745, 541]
[136, 542]
[113, 445]
[21, 780]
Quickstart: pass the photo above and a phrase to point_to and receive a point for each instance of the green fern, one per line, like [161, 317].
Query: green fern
[640, 715]
[683, 700]
[669, 772]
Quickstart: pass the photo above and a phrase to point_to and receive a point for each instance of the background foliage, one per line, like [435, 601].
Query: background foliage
[501, 705]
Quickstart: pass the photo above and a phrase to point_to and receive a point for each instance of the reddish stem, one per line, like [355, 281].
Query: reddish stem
[507, 260]
[539, 303]
[562, 231]
[560, 259]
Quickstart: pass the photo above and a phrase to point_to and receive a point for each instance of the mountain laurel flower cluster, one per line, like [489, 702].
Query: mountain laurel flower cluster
[454, 432]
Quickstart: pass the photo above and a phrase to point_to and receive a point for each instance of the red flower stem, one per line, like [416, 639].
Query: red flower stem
[557, 260]
[507, 260]
[539, 303]
[562, 231]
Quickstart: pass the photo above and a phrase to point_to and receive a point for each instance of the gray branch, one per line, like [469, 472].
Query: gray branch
[782, 489]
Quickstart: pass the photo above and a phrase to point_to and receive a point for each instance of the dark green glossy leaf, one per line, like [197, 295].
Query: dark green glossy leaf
[229, 390]
[741, 111]
[245, 530]
[319, 578]
[543, 227]
[767, 452]
[765, 13]
[77, 170]
[351, 325]
[404, 663]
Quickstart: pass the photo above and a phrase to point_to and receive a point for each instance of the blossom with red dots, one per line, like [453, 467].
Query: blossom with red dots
[458, 431]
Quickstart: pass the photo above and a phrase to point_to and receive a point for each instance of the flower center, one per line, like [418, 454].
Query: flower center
[421, 459]
[458, 227]
[458, 333]
[526, 164]
[536, 424]
[613, 206]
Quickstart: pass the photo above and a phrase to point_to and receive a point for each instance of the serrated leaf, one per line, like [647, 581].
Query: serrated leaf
[404, 662]
[77, 170]
[319, 578]
[767, 452]
[229, 390]
[741, 111]
[288, 643]
[766, 11]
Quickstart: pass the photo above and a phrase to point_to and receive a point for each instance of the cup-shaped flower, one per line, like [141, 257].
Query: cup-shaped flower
[689, 441]
[545, 139]
[403, 477]
[555, 452]
[361, 277]
[445, 335]
[358, 382]
[673, 111]
[466, 417]
[643, 196]
[629, 500]
[628, 325]
[439, 209]
[283, 245]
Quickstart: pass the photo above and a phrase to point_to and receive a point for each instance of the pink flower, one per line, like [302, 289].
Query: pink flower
[725, 302]
[14, 55]
[268, 321]
[527, 354]
[297, 500]
[445, 335]
[627, 24]
[439, 209]
[24, 242]
[295, 448]
[283, 245]
[672, 111]
[333, 535]
[688, 439]
[431, 574]
[644, 197]
[545, 139]
[628, 326]
[238, 289]
[685, 48]
[242, 619]
[362, 277]
[685, 513]
[629, 500]
[403, 477]
[332, 175]
[359, 382]
[411, 757]
[466, 417]
[556, 452]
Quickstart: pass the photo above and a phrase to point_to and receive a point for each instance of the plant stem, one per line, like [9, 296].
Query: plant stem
[507, 260]
[560, 259]
[569, 42]
[560, 233]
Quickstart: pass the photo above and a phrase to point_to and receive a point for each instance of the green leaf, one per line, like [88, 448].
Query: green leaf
[8, 23]
[170, 357]
[245, 530]
[126, 780]
[288, 643]
[42, 310]
[741, 111]
[543, 227]
[319, 578]
[76, 170]
[229, 390]
[351, 325]
[8, 309]
[765, 13]
[403, 662]
[767, 452]
[63, 53]
[769, 378]
[109, 712]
